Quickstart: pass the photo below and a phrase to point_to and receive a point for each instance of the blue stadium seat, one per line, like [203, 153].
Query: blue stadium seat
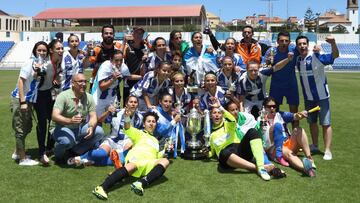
[5, 46]
[351, 62]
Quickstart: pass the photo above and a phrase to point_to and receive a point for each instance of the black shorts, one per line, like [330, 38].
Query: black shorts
[242, 149]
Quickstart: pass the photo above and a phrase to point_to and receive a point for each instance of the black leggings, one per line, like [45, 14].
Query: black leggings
[43, 108]
[242, 149]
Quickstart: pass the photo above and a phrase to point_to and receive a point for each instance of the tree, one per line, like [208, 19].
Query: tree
[339, 29]
[309, 19]
[189, 28]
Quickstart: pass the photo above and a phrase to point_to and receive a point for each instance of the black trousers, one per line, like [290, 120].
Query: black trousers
[43, 108]
[242, 149]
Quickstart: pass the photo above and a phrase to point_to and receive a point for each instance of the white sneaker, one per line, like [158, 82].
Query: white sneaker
[264, 174]
[44, 159]
[16, 157]
[327, 156]
[28, 162]
[78, 161]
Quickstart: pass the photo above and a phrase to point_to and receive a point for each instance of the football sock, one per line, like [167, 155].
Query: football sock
[154, 174]
[115, 177]
[258, 152]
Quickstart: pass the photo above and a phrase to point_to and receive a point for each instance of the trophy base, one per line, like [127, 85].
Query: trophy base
[194, 154]
[192, 89]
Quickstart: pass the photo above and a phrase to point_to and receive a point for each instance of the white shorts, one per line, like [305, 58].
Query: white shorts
[118, 146]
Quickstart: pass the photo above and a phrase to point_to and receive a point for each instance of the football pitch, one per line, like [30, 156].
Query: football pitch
[195, 181]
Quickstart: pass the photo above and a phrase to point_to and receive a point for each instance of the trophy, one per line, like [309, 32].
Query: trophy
[129, 33]
[207, 29]
[194, 147]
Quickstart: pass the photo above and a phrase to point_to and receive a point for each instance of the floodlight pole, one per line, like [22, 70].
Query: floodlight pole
[270, 8]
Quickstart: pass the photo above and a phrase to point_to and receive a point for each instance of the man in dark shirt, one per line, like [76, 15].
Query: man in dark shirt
[135, 55]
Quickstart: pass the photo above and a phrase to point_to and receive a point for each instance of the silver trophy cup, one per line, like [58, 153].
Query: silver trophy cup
[194, 147]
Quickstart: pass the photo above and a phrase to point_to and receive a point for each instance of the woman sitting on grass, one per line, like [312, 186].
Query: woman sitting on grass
[245, 123]
[113, 149]
[282, 145]
[226, 145]
[144, 159]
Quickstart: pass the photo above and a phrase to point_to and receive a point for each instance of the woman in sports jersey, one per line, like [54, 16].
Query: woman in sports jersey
[143, 160]
[176, 44]
[72, 61]
[113, 149]
[167, 119]
[199, 59]
[227, 78]
[31, 77]
[46, 98]
[280, 144]
[158, 54]
[180, 96]
[212, 90]
[230, 45]
[226, 145]
[152, 83]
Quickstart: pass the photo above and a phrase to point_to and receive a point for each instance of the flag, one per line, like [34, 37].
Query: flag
[261, 22]
[301, 21]
[234, 22]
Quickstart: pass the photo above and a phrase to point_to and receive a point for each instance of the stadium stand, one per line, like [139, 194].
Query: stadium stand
[18, 55]
[349, 56]
[5, 46]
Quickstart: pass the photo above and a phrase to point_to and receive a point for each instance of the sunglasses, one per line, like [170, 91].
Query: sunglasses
[270, 106]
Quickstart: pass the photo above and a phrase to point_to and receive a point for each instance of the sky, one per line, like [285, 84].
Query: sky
[226, 9]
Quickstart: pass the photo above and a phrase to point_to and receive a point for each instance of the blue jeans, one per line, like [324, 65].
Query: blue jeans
[73, 139]
[324, 113]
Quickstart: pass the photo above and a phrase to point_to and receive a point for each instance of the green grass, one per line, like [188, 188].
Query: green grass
[195, 181]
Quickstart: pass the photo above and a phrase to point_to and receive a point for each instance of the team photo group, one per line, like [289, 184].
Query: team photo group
[148, 102]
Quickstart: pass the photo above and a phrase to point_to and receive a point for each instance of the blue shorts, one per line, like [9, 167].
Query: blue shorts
[290, 93]
[323, 114]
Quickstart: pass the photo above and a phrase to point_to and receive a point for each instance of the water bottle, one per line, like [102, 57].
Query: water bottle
[129, 32]
[272, 54]
[79, 109]
[262, 118]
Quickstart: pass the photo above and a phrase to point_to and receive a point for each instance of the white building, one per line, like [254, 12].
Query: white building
[353, 14]
[11, 25]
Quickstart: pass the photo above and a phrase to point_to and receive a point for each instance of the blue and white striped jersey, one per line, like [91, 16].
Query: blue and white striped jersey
[238, 61]
[200, 63]
[227, 82]
[70, 66]
[117, 124]
[254, 90]
[312, 75]
[31, 84]
[150, 84]
[184, 99]
[154, 60]
[205, 98]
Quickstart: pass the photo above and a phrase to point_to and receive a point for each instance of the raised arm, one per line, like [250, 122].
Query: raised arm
[334, 48]
[281, 64]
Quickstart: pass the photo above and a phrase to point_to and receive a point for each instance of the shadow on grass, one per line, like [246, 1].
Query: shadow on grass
[229, 170]
[126, 182]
